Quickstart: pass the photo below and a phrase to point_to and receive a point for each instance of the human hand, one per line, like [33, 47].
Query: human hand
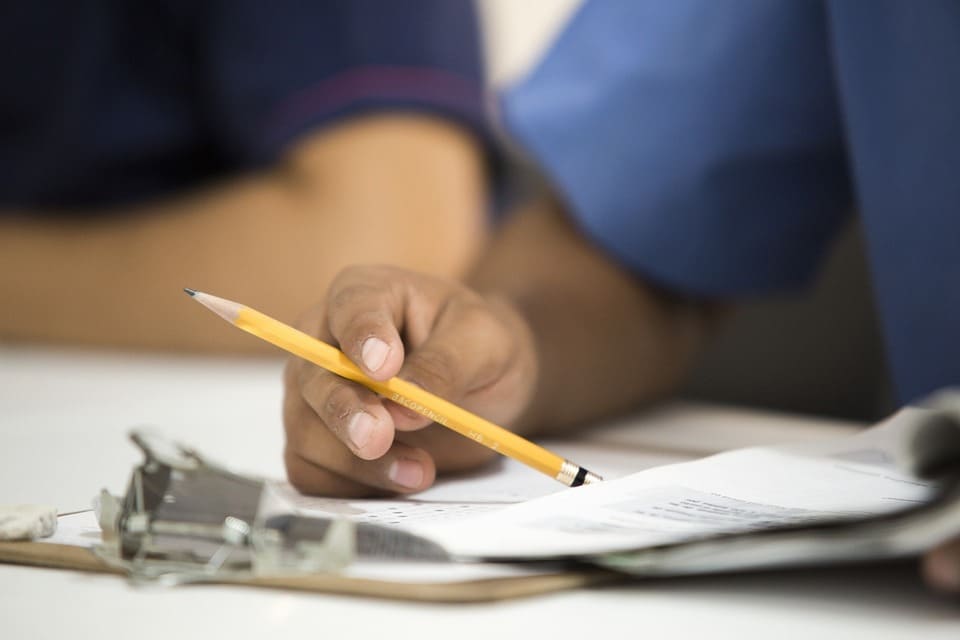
[477, 352]
[941, 567]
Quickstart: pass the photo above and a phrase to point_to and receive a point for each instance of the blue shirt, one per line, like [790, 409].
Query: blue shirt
[715, 147]
[103, 103]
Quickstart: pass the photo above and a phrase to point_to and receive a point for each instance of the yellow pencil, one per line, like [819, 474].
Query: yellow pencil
[400, 391]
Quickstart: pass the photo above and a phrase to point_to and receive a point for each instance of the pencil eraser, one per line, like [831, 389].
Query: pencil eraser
[27, 521]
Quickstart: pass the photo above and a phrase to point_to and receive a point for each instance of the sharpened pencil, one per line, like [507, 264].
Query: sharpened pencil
[400, 391]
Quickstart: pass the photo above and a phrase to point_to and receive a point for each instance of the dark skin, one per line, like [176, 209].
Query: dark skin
[511, 346]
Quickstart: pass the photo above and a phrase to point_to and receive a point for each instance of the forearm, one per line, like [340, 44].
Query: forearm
[401, 190]
[605, 340]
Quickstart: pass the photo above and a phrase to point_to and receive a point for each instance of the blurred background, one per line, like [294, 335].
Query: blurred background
[818, 352]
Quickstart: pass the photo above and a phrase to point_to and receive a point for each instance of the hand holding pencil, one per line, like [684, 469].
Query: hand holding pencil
[375, 433]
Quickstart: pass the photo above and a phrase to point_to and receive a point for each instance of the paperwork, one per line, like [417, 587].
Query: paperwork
[500, 485]
[736, 492]
[845, 487]
[887, 491]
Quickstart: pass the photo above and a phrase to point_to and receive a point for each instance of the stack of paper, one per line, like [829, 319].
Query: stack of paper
[857, 498]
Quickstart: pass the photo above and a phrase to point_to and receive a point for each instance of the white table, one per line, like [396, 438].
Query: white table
[63, 416]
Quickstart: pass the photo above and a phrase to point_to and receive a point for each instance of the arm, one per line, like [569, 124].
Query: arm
[554, 335]
[605, 340]
[399, 189]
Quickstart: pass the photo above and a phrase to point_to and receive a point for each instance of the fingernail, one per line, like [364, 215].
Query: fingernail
[374, 353]
[406, 473]
[360, 428]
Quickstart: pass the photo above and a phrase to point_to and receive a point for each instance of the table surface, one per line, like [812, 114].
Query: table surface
[63, 419]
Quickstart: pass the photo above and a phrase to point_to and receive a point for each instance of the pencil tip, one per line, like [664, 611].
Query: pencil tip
[190, 292]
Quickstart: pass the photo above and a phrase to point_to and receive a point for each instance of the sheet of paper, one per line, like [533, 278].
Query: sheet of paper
[510, 512]
[502, 484]
[739, 491]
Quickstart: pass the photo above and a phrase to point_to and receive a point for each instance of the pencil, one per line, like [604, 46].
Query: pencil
[400, 391]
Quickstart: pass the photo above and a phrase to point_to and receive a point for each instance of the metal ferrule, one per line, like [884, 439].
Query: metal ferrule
[568, 473]
[573, 475]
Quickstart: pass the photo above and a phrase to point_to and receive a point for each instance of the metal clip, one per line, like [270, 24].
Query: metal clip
[184, 519]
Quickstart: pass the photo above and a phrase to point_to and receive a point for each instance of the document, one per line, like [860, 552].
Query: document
[504, 483]
[887, 491]
[734, 497]
[736, 492]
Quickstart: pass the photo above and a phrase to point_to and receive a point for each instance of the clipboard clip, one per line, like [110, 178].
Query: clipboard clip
[184, 519]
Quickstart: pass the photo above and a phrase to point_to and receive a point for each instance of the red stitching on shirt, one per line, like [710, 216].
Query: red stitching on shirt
[404, 83]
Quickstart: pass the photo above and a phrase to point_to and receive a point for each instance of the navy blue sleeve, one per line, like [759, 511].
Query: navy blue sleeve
[276, 70]
[699, 142]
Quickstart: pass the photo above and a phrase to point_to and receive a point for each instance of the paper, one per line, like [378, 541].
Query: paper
[502, 484]
[508, 513]
[736, 492]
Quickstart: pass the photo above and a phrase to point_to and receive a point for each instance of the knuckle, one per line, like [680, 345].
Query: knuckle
[362, 325]
[311, 320]
[344, 297]
[435, 369]
[481, 322]
[339, 404]
[358, 278]
[351, 310]
[475, 313]
[461, 299]
[500, 348]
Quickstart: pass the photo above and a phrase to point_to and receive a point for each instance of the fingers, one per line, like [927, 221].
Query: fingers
[310, 479]
[941, 567]
[319, 461]
[468, 350]
[353, 414]
[456, 343]
[342, 439]
[365, 309]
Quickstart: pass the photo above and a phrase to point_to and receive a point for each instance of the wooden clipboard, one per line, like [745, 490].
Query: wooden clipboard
[58, 556]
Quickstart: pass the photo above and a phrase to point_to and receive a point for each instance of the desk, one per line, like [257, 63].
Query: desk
[63, 416]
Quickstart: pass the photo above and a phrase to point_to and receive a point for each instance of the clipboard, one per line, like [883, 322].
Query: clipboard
[76, 558]
[185, 520]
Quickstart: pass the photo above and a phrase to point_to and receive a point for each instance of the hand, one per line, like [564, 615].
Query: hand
[343, 439]
[941, 567]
